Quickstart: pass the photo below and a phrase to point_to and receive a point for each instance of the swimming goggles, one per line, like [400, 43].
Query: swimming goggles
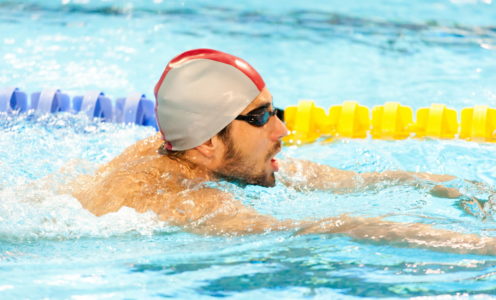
[260, 119]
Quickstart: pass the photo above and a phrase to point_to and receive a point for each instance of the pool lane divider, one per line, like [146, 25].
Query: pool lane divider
[12, 99]
[50, 101]
[95, 105]
[135, 108]
[307, 123]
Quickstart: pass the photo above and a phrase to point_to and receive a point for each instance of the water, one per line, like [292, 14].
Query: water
[415, 53]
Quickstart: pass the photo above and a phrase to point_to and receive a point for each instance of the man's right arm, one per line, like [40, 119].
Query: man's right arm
[304, 174]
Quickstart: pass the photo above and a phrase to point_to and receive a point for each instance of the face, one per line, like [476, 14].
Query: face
[249, 151]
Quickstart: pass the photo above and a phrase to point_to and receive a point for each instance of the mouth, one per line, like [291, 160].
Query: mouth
[273, 161]
[274, 164]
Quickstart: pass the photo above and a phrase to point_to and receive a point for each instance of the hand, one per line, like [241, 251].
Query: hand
[442, 191]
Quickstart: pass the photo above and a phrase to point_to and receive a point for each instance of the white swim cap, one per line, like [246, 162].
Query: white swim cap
[199, 93]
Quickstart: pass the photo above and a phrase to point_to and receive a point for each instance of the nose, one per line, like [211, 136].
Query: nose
[279, 129]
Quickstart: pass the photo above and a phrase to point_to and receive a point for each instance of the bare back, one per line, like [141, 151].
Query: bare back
[139, 178]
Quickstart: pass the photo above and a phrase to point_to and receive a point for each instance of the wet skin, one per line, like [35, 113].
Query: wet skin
[174, 189]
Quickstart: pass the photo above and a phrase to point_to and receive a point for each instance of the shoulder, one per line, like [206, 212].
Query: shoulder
[143, 149]
[130, 179]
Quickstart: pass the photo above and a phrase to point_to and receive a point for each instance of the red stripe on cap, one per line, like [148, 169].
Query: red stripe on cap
[219, 56]
[211, 54]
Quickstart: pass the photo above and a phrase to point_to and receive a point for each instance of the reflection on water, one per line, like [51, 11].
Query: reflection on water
[312, 268]
[316, 26]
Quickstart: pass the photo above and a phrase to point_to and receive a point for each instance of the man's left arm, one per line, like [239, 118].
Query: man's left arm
[214, 212]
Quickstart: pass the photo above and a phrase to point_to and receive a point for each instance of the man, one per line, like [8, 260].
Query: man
[217, 122]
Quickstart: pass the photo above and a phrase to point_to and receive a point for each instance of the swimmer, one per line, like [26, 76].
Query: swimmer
[217, 122]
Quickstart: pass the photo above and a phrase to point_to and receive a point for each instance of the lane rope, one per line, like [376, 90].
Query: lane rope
[306, 121]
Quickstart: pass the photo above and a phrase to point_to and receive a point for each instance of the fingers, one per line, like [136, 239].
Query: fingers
[441, 191]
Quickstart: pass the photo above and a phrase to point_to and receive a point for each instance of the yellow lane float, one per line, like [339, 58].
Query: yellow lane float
[392, 121]
[436, 121]
[308, 122]
[478, 123]
[349, 120]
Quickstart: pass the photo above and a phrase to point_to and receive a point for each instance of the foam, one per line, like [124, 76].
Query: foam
[37, 211]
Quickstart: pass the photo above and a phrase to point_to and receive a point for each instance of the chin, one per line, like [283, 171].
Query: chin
[262, 180]
[265, 179]
[272, 180]
[268, 181]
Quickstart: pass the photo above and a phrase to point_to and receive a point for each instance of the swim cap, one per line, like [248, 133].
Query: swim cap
[199, 93]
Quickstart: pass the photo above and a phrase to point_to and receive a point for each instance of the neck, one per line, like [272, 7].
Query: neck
[193, 167]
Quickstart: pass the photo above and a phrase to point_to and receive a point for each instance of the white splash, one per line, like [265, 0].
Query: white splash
[33, 211]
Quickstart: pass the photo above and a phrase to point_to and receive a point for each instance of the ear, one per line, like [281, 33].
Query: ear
[210, 148]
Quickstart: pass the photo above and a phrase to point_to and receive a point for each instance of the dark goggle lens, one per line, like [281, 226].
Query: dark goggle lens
[261, 119]
[264, 118]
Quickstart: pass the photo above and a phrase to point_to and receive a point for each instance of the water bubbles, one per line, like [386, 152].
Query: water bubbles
[34, 212]
[40, 155]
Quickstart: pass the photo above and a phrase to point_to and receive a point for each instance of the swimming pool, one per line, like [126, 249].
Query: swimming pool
[414, 53]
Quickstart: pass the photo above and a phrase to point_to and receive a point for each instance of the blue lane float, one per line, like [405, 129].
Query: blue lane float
[95, 105]
[50, 101]
[13, 99]
[136, 109]
[133, 109]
